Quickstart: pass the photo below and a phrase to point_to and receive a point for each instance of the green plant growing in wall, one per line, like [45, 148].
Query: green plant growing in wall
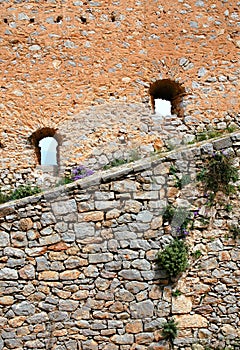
[115, 162]
[173, 258]
[182, 222]
[24, 191]
[209, 134]
[184, 181]
[196, 254]
[64, 181]
[180, 182]
[232, 128]
[133, 157]
[219, 173]
[170, 331]
[179, 219]
[176, 293]
[20, 192]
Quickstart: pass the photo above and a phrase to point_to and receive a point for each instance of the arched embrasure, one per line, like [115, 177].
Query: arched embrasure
[41, 134]
[168, 90]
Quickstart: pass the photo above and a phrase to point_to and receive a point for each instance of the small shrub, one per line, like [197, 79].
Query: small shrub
[170, 331]
[218, 174]
[214, 133]
[24, 191]
[173, 258]
[201, 136]
[173, 170]
[134, 155]
[80, 172]
[181, 222]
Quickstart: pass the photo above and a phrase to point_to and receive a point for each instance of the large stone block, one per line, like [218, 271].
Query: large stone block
[100, 258]
[64, 207]
[141, 310]
[4, 239]
[181, 305]
[84, 230]
[191, 321]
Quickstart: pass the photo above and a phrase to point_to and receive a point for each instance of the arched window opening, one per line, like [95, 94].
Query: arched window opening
[48, 148]
[46, 142]
[166, 96]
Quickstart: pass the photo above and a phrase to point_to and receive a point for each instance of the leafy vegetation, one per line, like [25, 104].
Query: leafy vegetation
[133, 156]
[176, 293]
[182, 181]
[178, 218]
[232, 128]
[228, 207]
[64, 181]
[196, 254]
[219, 173]
[173, 258]
[20, 192]
[170, 331]
[210, 134]
[115, 162]
[24, 191]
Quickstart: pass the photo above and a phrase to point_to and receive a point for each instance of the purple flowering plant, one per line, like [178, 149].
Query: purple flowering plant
[180, 220]
[80, 172]
[182, 231]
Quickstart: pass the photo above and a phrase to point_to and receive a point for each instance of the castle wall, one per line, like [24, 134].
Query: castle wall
[108, 133]
[59, 58]
[78, 270]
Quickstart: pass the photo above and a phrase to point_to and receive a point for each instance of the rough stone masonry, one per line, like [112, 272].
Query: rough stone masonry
[78, 263]
[62, 58]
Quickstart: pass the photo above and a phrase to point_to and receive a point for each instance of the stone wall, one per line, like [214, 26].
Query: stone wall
[78, 269]
[102, 134]
[60, 58]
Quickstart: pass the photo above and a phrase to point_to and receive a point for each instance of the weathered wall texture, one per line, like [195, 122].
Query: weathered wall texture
[77, 265]
[58, 58]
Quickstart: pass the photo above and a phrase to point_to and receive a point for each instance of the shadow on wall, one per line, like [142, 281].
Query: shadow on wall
[166, 96]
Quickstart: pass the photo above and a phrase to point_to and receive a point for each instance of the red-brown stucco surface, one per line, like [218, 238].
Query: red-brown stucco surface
[59, 58]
